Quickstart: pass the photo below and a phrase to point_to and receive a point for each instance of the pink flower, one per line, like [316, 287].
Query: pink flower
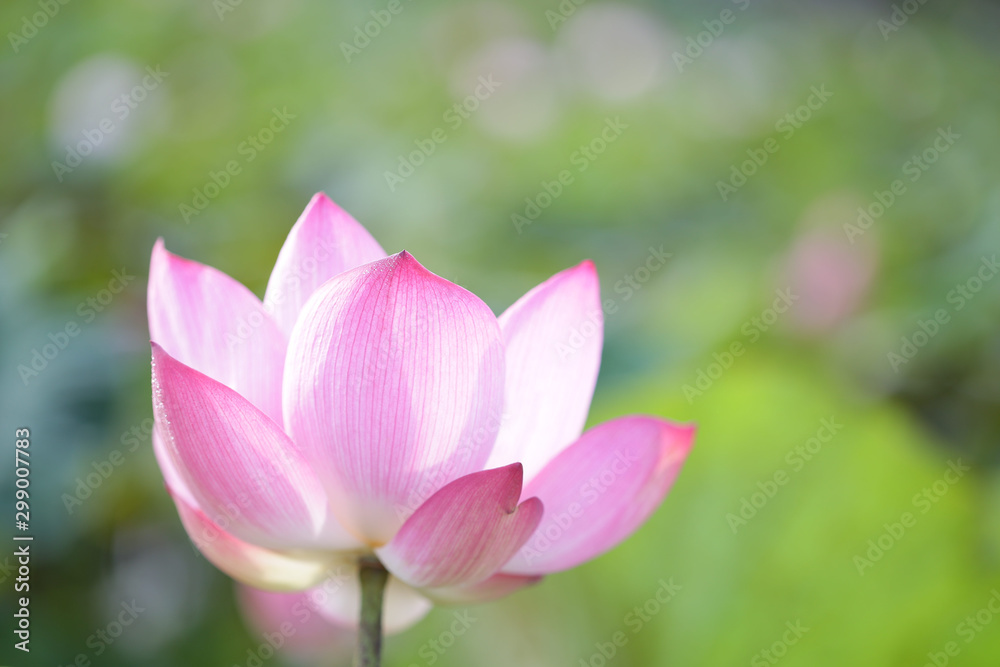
[368, 406]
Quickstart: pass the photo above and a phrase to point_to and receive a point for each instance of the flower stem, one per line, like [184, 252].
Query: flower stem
[373, 579]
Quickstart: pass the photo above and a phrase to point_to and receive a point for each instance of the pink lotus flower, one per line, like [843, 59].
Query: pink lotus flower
[369, 407]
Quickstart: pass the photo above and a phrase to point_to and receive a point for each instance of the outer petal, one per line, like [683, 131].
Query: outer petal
[168, 468]
[497, 586]
[339, 600]
[600, 489]
[234, 460]
[324, 242]
[248, 563]
[553, 338]
[334, 535]
[213, 324]
[394, 388]
[465, 532]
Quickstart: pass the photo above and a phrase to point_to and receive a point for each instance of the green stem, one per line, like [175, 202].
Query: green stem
[373, 579]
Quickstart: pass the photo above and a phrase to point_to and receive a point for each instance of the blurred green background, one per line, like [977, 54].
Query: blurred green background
[746, 143]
